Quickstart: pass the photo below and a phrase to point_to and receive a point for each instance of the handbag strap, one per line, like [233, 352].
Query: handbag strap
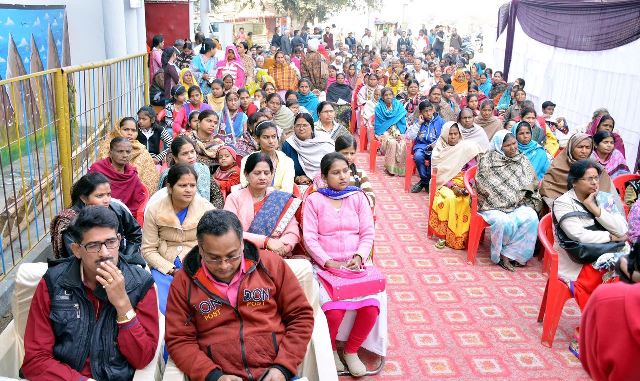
[346, 273]
[571, 214]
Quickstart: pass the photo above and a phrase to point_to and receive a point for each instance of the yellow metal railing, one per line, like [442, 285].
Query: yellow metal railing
[51, 126]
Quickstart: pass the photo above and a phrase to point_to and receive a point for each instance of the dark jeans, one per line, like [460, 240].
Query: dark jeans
[438, 52]
[419, 156]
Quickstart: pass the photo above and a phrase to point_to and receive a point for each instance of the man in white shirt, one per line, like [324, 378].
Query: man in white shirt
[367, 40]
[423, 77]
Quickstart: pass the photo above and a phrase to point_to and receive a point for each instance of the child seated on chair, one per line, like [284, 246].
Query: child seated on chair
[228, 173]
[424, 133]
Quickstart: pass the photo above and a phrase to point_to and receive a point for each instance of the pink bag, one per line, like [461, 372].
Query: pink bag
[344, 284]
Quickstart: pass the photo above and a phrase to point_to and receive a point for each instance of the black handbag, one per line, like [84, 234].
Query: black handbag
[580, 252]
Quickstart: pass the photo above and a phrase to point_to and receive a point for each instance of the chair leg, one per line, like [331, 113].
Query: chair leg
[543, 305]
[557, 297]
[362, 132]
[475, 235]
[373, 152]
[410, 169]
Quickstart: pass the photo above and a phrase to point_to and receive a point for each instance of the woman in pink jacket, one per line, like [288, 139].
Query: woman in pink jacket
[232, 65]
[267, 215]
[338, 232]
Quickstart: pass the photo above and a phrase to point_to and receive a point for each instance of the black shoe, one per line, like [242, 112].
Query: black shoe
[417, 188]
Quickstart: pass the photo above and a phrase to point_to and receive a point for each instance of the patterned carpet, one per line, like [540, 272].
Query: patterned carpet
[450, 320]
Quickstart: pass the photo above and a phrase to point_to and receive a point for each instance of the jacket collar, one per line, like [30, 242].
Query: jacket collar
[193, 260]
[71, 277]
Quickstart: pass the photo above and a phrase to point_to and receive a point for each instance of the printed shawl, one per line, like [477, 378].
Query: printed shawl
[275, 214]
[506, 183]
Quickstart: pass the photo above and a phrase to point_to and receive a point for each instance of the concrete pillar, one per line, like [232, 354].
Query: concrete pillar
[142, 29]
[115, 40]
[131, 24]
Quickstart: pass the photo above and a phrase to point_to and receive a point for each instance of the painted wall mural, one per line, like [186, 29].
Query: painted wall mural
[25, 30]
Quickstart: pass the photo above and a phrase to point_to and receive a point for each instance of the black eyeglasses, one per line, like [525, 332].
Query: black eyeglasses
[95, 247]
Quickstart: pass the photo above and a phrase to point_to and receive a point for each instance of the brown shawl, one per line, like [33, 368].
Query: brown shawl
[490, 126]
[554, 182]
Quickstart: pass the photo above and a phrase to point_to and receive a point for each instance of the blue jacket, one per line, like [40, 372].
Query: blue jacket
[429, 132]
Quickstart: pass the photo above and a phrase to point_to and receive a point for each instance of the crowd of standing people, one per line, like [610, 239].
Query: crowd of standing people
[244, 163]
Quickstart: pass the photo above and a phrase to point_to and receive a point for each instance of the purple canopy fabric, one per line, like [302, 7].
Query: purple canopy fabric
[587, 25]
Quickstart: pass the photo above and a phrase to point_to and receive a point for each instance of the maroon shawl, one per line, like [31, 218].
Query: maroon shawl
[126, 186]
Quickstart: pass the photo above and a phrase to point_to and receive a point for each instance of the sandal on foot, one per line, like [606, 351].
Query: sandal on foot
[339, 365]
[355, 365]
[506, 267]
[441, 244]
[574, 348]
[517, 264]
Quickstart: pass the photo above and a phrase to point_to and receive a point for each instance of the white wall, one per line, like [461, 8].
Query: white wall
[88, 20]
[580, 82]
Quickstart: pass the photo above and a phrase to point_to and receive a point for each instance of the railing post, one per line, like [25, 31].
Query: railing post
[147, 80]
[64, 135]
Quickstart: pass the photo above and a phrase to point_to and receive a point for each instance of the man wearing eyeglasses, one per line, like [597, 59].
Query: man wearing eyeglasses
[93, 316]
[234, 313]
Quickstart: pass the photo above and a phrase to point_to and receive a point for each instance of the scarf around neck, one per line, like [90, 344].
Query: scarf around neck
[339, 194]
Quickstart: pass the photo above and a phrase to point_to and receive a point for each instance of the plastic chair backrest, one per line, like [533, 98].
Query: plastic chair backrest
[432, 187]
[469, 182]
[620, 182]
[545, 235]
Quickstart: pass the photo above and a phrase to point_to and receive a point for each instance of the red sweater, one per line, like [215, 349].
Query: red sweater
[137, 339]
[271, 325]
[610, 333]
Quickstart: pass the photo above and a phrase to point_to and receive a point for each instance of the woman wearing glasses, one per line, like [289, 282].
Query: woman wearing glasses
[306, 149]
[588, 215]
[267, 215]
[94, 189]
[170, 227]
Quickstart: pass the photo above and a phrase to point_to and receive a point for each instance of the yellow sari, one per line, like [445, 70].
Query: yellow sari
[450, 215]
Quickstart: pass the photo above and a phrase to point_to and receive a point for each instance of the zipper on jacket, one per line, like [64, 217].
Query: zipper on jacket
[243, 349]
[77, 306]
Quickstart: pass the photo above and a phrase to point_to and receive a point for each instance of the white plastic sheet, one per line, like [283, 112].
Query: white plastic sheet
[580, 82]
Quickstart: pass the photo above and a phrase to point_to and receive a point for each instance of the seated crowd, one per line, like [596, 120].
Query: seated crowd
[248, 165]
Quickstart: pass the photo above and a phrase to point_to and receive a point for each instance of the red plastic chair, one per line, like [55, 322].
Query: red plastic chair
[556, 293]
[477, 224]
[140, 212]
[620, 184]
[432, 195]
[410, 166]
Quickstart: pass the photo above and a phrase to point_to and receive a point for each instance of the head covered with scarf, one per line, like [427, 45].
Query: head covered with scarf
[449, 159]
[532, 150]
[505, 183]
[554, 182]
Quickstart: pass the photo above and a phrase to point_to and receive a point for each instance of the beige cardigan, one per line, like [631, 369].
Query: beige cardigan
[575, 228]
[163, 238]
